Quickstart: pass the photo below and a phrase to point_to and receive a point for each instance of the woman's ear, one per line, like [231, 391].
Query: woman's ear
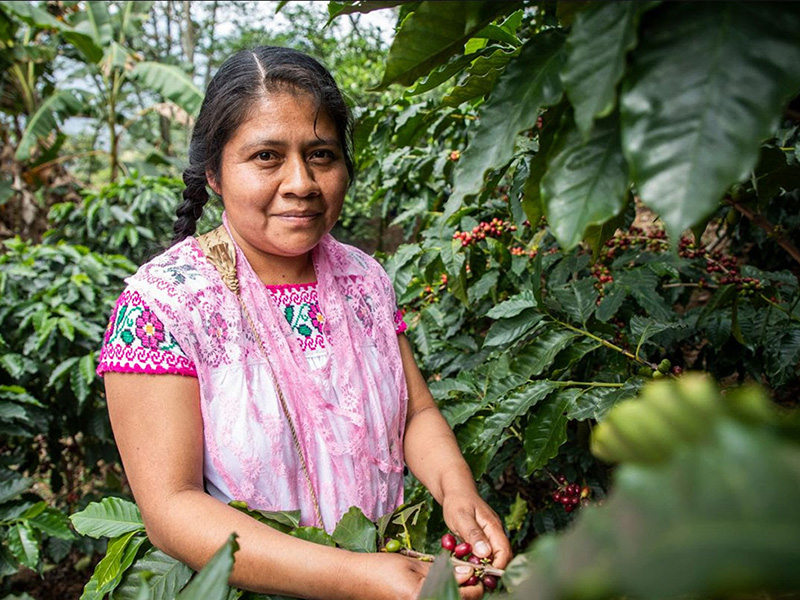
[213, 183]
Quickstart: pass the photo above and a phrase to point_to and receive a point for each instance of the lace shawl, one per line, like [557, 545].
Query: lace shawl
[349, 414]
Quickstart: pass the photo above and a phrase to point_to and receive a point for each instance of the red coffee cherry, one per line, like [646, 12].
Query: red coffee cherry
[449, 542]
[490, 582]
[474, 560]
[462, 550]
[472, 581]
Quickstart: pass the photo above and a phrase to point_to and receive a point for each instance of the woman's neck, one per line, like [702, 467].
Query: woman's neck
[273, 269]
[283, 270]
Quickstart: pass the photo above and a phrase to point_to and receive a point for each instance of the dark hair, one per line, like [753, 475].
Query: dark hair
[241, 80]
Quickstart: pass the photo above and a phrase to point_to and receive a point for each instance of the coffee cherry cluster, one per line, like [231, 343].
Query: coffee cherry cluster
[652, 239]
[569, 494]
[494, 228]
[463, 551]
[602, 273]
[520, 251]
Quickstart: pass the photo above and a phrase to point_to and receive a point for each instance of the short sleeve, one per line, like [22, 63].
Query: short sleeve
[400, 325]
[136, 341]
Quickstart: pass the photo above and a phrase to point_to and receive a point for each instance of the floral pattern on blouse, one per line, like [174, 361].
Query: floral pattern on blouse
[137, 341]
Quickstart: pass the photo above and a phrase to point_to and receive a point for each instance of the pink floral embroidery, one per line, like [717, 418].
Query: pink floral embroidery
[149, 329]
[316, 317]
[217, 326]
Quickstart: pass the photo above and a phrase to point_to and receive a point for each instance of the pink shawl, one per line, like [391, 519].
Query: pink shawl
[349, 414]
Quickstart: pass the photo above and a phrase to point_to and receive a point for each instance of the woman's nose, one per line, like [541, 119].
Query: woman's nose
[298, 179]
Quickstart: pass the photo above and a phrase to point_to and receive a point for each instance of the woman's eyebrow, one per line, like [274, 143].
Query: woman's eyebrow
[312, 143]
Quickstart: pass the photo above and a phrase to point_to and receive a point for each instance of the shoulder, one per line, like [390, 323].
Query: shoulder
[180, 269]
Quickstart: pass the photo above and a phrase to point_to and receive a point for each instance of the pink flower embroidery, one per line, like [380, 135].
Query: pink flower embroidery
[316, 317]
[149, 329]
[218, 327]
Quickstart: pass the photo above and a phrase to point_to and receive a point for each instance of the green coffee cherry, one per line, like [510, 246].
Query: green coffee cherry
[665, 365]
[393, 546]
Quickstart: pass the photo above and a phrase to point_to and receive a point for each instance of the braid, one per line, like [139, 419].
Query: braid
[190, 210]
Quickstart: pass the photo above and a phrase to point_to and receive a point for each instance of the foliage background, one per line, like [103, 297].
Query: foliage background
[566, 195]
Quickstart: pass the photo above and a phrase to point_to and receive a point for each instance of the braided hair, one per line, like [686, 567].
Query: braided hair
[239, 83]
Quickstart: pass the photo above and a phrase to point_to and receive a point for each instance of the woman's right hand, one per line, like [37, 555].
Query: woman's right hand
[396, 577]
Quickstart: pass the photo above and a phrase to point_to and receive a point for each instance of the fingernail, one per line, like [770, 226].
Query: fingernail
[463, 570]
[482, 548]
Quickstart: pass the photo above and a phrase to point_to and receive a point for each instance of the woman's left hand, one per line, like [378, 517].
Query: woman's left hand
[472, 520]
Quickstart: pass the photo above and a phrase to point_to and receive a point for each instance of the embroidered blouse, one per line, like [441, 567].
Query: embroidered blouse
[136, 340]
[177, 315]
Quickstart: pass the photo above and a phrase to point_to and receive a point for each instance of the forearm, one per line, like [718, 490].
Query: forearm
[191, 525]
[433, 455]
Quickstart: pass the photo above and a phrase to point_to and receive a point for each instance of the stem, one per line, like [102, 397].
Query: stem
[698, 285]
[589, 383]
[549, 474]
[515, 433]
[779, 307]
[766, 225]
[456, 562]
[605, 343]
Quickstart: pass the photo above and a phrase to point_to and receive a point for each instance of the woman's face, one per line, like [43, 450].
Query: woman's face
[283, 177]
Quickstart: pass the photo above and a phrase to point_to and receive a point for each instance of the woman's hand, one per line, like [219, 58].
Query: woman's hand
[471, 519]
[397, 577]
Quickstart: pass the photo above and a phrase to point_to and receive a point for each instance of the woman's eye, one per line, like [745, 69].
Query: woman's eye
[265, 155]
[323, 155]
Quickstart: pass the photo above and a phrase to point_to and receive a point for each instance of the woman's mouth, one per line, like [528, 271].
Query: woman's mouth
[299, 217]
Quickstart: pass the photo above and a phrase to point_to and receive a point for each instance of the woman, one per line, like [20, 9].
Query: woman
[285, 381]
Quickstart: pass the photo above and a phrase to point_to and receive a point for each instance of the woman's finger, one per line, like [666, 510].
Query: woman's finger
[501, 548]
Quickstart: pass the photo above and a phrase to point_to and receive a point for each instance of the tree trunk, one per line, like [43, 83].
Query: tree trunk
[212, 26]
[189, 37]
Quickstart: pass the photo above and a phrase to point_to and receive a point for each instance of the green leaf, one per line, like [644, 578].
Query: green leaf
[171, 82]
[110, 517]
[534, 358]
[440, 584]
[49, 117]
[356, 532]
[547, 429]
[164, 577]
[81, 378]
[508, 331]
[30, 14]
[109, 568]
[360, 6]
[529, 83]
[64, 368]
[509, 407]
[212, 582]
[611, 303]
[595, 402]
[641, 283]
[516, 514]
[313, 534]
[513, 306]
[586, 183]
[697, 101]
[481, 77]
[597, 46]
[23, 544]
[13, 486]
[578, 299]
[54, 523]
[434, 32]
[458, 412]
[99, 23]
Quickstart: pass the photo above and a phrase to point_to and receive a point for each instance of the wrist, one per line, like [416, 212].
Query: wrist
[456, 483]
